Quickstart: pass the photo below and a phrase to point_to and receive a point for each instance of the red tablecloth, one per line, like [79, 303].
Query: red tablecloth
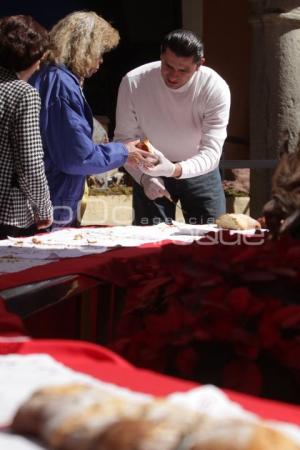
[106, 366]
[97, 265]
[10, 324]
[45, 323]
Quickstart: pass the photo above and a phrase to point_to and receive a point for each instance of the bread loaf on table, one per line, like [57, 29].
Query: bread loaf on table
[137, 435]
[236, 434]
[68, 417]
[208, 435]
[44, 404]
[237, 222]
[80, 417]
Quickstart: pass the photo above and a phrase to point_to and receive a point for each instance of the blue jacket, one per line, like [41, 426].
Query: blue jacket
[66, 128]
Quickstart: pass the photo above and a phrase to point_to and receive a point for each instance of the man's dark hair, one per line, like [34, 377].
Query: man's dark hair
[183, 43]
[23, 41]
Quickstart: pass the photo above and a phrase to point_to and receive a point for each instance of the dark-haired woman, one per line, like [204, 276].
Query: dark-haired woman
[25, 205]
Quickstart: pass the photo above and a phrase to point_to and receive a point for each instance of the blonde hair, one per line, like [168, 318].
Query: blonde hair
[79, 39]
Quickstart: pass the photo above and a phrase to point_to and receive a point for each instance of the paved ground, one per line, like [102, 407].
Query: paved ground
[117, 210]
[111, 210]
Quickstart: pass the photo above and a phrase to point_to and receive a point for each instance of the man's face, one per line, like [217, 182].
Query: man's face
[177, 70]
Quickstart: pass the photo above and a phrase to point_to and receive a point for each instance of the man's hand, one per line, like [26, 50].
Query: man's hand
[154, 187]
[164, 168]
[41, 224]
[138, 157]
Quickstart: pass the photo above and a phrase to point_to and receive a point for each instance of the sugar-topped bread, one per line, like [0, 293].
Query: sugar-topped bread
[237, 222]
[82, 417]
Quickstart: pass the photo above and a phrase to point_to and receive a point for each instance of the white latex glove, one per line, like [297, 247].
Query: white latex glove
[154, 187]
[164, 168]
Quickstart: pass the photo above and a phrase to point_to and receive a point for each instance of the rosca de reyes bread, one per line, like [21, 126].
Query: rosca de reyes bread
[236, 434]
[145, 144]
[237, 222]
[82, 417]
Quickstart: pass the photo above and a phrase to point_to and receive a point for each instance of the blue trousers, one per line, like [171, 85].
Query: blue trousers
[202, 200]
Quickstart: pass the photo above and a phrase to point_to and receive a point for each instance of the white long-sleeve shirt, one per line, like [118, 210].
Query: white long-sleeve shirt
[188, 125]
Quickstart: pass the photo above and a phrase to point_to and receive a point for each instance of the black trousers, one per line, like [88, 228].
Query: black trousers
[202, 200]
[10, 230]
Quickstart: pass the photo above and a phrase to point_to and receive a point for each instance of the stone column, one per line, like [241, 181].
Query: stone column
[275, 88]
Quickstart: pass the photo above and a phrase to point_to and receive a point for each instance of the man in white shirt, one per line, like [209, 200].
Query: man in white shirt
[182, 107]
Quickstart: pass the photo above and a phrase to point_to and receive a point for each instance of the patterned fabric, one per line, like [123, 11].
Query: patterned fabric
[24, 194]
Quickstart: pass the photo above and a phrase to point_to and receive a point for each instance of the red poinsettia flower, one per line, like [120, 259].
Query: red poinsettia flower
[219, 310]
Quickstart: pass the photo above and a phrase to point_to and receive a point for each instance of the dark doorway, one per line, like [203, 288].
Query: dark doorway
[141, 25]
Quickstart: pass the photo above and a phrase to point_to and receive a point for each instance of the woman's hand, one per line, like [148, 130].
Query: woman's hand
[139, 158]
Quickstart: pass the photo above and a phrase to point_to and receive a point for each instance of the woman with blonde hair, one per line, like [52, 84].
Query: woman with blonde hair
[77, 43]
